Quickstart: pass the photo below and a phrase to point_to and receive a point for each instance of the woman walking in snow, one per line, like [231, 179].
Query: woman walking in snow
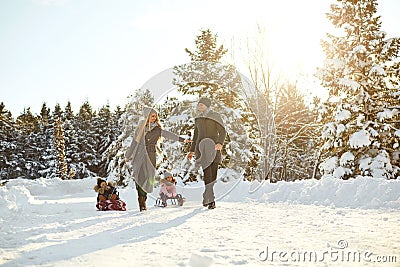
[142, 152]
[209, 136]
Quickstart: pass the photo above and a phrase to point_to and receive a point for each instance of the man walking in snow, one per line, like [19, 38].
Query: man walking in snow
[209, 136]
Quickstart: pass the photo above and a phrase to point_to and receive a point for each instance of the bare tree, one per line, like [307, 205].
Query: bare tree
[286, 124]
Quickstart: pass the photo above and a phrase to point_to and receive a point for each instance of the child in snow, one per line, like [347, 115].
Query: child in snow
[168, 189]
[108, 197]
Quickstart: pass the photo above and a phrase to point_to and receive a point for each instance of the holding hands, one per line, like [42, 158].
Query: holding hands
[189, 156]
[218, 147]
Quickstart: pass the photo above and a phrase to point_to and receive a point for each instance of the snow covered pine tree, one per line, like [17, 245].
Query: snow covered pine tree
[361, 116]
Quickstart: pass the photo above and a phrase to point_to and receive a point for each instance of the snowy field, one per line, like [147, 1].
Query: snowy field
[329, 222]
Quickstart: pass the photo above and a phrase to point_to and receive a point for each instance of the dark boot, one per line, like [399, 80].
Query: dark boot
[142, 196]
[180, 200]
[142, 203]
[163, 200]
[211, 206]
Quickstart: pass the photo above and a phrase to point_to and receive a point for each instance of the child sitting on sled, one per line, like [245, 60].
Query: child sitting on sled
[108, 197]
[168, 189]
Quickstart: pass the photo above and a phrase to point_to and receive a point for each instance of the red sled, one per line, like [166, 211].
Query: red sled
[116, 204]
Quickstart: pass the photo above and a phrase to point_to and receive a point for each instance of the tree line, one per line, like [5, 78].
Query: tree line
[58, 142]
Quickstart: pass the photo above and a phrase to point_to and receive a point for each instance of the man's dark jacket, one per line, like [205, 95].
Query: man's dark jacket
[208, 125]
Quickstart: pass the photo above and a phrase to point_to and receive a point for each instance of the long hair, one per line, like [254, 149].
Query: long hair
[157, 120]
[147, 124]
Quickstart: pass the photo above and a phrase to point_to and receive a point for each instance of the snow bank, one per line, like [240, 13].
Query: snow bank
[362, 192]
[18, 195]
[13, 200]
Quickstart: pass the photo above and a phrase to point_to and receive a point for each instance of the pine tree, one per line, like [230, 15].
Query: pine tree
[8, 145]
[58, 111]
[104, 134]
[110, 154]
[44, 142]
[362, 73]
[83, 156]
[207, 50]
[68, 113]
[27, 123]
[28, 150]
[206, 76]
[59, 148]
[71, 143]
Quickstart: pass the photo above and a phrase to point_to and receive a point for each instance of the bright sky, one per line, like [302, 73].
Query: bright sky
[102, 51]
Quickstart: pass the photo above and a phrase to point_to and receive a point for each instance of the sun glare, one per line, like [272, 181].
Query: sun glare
[290, 35]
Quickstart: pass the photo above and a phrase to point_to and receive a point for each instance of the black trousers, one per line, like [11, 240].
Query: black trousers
[210, 178]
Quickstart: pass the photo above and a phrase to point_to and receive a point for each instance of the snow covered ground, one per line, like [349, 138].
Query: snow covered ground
[319, 223]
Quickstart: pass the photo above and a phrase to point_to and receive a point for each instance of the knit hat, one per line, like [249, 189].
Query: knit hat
[167, 174]
[100, 181]
[206, 101]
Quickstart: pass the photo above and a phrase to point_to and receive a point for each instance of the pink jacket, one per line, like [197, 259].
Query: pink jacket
[168, 188]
